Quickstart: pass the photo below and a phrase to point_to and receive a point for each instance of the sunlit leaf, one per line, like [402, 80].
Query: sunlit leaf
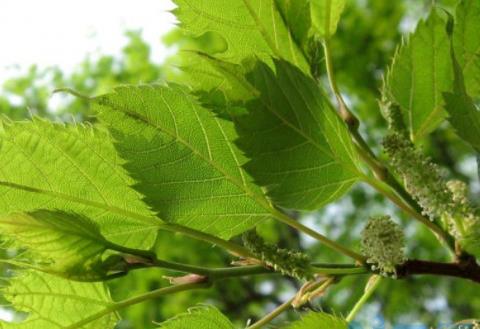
[420, 72]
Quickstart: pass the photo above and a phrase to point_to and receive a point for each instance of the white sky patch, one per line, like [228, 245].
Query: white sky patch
[64, 32]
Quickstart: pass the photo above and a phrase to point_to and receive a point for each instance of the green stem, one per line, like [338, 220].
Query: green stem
[138, 299]
[272, 315]
[233, 248]
[231, 272]
[340, 271]
[314, 234]
[372, 284]
[351, 121]
[381, 172]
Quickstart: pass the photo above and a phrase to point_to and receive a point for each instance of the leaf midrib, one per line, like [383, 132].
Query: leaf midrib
[109, 208]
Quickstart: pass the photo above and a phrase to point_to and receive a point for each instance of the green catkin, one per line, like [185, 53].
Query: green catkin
[393, 115]
[439, 199]
[383, 242]
[288, 262]
[422, 178]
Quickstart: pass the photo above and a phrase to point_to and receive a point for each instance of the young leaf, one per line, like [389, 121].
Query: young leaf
[248, 26]
[200, 317]
[314, 320]
[420, 72]
[76, 169]
[325, 15]
[183, 157]
[466, 42]
[65, 241]
[463, 114]
[300, 150]
[55, 303]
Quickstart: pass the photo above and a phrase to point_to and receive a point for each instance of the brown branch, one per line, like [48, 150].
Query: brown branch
[466, 268]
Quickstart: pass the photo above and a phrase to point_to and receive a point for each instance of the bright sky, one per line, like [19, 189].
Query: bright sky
[63, 32]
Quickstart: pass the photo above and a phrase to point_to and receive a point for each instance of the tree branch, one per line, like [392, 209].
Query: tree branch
[466, 268]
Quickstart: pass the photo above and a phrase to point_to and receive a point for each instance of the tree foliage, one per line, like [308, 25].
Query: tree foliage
[255, 131]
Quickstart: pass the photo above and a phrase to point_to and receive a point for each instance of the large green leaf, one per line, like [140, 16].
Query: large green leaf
[420, 72]
[300, 150]
[60, 241]
[200, 317]
[75, 169]
[325, 16]
[183, 157]
[466, 42]
[249, 27]
[317, 320]
[463, 114]
[56, 303]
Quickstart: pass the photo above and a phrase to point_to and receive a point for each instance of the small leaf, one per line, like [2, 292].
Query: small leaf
[56, 303]
[466, 42]
[325, 15]
[421, 70]
[200, 317]
[300, 150]
[76, 169]
[314, 320]
[184, 159]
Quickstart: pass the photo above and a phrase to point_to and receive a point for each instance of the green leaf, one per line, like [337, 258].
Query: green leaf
[325, 15]
[463, 114]
[183, 157]
[75, 169]
[420, 72]
[66, 242]
[300, 150]
[466, 42]
[200, 317]
[296, 14]
[248, 27]
[314, 320]
[52, 302]
[471, 241]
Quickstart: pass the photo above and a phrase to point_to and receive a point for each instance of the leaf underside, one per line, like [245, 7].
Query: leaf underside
[248, 27]
[183, 157]
[299, 148]
[75, 169]
[199, 317]
[420, 72]
[466, 43]
[57, 303]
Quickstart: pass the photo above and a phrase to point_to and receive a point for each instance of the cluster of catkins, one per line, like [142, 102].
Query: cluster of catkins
[383, 243]
[439, 199]
[288, 262]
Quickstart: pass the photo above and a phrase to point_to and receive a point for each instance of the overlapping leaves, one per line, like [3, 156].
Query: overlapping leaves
[183, 158]
[299, 149]
[248, 27]
[74, 169]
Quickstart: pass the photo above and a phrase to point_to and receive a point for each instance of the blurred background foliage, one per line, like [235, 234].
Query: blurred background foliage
[362, 48]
